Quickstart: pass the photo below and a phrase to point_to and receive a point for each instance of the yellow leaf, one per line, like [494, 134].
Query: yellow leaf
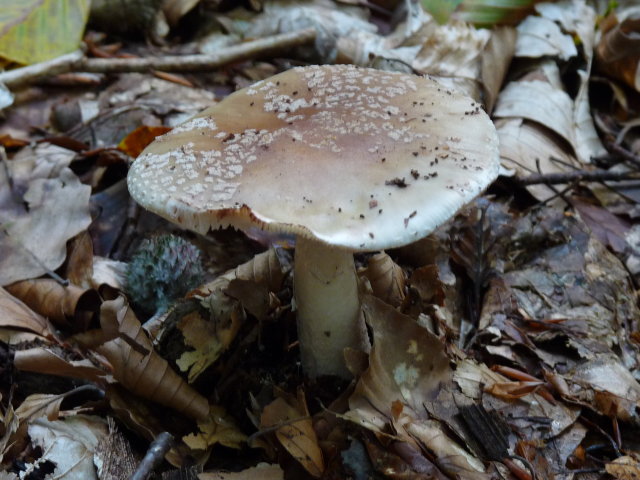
[37, 30]
[217, 428]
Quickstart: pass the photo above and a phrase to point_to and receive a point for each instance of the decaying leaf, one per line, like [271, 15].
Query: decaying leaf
[69, 444]
[138, 367]
[218, 427]
[293, 428]
[407, 369]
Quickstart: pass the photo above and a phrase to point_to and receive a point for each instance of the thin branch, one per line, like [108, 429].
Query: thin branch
[576, 176]
[156, 452]
[77, 62]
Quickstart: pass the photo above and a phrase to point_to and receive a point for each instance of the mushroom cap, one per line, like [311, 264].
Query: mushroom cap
[353, 157]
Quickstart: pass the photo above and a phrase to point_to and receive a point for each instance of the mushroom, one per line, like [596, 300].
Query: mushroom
[349, 159]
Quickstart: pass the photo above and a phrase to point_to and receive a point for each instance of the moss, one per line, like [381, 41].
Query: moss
[163, 269]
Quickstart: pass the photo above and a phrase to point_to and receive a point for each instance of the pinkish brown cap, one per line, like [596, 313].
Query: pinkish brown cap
[357, 158]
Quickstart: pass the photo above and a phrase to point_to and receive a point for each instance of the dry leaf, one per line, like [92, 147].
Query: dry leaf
[294, 431]
[496, 58]
[406, 363]
[58, 209]
[39, 405]
[15, 314]
[617, 52]
[609, 385]
[218, 427]
[69, 444]
[134, 143]
[539, 37]
[387, 279]
[79, 268]
[624, 468]
[139, 368]
[69, 306]
[223, 298]
[528, 147]
[45, 361]
[262, 471]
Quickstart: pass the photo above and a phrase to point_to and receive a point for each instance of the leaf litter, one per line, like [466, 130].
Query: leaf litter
[505, 345]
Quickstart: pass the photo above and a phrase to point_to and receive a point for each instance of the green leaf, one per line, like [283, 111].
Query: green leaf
[480, 12]
[33, 31]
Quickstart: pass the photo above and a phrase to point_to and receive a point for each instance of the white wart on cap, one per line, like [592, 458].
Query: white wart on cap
[357, 158]
[348, 159]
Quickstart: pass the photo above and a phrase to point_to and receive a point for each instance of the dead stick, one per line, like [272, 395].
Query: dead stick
[576, 176]
[158, 448]
[77, 62]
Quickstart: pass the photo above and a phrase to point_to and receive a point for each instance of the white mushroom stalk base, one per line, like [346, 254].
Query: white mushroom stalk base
[328, 307]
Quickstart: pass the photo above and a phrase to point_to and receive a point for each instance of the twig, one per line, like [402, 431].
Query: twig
[576, 176]
[160, 445]
[77, 62]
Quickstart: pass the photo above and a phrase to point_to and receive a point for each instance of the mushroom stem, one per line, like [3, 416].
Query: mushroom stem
[328, 307]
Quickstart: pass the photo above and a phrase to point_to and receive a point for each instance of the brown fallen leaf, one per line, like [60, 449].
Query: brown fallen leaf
[387, 279]
[45, 361]
[294, 430]
[624, 468]
[262, 471]
[617, 52]
[71, 307]
[39, 405]
[79, 267]
[139, 368]
[15, 314]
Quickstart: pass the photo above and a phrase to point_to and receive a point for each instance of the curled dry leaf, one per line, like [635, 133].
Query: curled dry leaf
[387, 279]
[617, 51]
[45, 361]
[69, 306]
[15, 314]
[139, 368]
[294, 430]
